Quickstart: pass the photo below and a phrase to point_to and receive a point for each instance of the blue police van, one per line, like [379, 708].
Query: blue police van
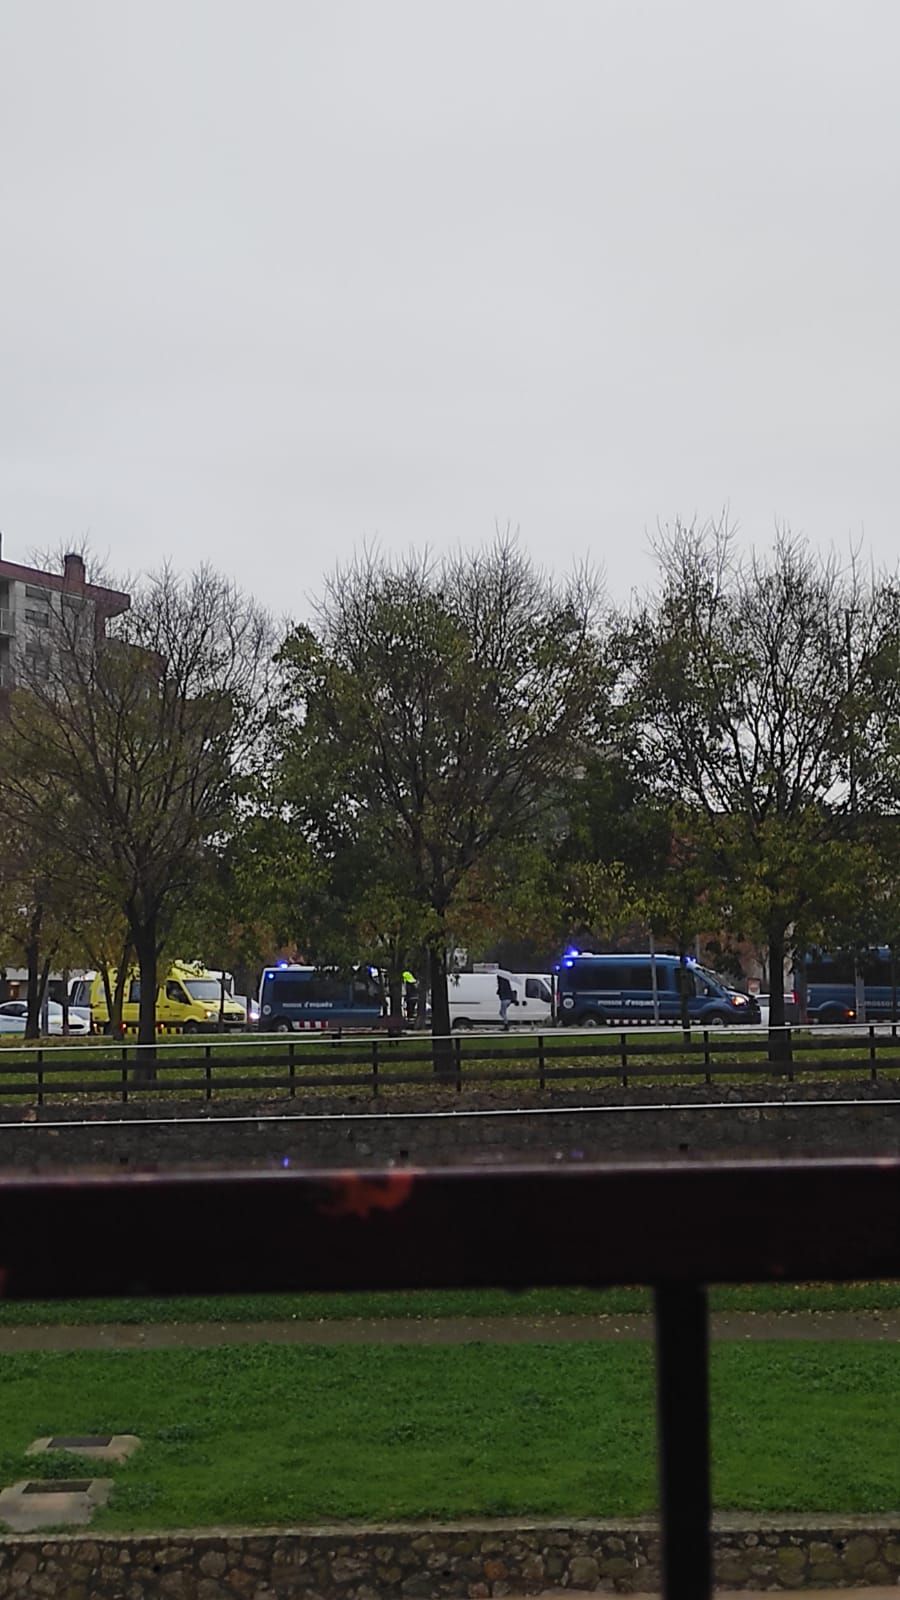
[296, 998]
[830, 984]
[594, 991]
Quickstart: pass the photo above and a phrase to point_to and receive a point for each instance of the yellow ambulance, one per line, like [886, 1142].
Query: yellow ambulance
[188, 1000]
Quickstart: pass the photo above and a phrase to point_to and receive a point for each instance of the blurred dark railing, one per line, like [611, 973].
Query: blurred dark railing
[676, 1226]
[378, 1064]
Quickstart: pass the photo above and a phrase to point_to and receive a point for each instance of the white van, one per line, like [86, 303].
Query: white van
[474, 1002]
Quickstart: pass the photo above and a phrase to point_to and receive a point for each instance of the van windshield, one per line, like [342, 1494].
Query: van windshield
[712, 977]
[206, 989]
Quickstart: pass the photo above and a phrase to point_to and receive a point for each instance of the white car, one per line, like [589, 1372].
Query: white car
[13, 1015]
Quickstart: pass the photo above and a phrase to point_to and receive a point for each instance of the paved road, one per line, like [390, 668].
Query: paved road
[880, 1327]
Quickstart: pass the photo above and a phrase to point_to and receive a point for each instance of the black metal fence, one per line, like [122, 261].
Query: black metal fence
[678, 1227]
[378, 1065]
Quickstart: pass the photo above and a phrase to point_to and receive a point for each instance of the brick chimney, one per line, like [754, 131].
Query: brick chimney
[74, 571]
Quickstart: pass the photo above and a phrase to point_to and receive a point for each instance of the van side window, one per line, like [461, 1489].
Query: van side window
[175, 992]
[325, 988]
[535, 990]
[134, 991]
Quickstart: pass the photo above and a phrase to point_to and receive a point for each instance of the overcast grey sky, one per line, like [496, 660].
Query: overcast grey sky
[279, 277]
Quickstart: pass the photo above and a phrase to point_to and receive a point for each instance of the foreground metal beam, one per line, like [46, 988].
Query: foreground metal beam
[682, 1410]
[689, 1223]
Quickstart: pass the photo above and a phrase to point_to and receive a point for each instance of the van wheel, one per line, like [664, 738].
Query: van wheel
[588, 1020]
[830, 1018]
[281, 1025]
[462, 1022]
[190, 1027]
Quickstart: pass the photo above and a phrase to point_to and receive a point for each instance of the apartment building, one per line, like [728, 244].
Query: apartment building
[32, 601]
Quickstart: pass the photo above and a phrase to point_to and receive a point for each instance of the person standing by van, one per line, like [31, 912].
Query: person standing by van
[506, 994]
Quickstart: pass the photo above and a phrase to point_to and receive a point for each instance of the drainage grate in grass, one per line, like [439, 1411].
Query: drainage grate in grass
[57, 1486]
[86, 1441]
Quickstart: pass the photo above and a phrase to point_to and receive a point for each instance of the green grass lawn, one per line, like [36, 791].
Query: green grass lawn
[283, 1434]
[425, 1303]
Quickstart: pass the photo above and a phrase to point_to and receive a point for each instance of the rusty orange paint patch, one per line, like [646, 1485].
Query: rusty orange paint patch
[356, 1196]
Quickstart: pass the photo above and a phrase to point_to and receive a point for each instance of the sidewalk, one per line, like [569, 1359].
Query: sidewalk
[877, 1326]
[865, 1593]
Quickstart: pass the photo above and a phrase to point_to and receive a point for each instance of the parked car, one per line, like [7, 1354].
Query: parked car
[791, 1009]
[251, 1008]
[14, 1013]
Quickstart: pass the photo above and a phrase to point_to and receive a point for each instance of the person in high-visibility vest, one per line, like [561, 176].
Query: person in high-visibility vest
[410, 995]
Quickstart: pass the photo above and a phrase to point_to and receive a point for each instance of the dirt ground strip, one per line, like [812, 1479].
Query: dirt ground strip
[879, 1327]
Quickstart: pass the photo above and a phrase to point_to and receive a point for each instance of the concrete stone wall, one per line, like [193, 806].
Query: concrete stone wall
[470, 1561]
[618, 1124]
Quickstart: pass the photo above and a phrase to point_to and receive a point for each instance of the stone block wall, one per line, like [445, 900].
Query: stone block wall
[473, 1561]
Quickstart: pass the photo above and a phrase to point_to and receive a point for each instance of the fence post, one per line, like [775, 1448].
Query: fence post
[707, 1059]
[457, 1048]
[207, 1069]
[124, 1074]
[374, 1067]
[623, 1053]
[541, 1062]
[40, 1077]
[292, 1069]
[873, 1055]
[789, 1052]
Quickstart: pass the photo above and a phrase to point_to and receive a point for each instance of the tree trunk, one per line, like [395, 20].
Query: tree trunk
[65, 1001]
[33, 965]
[43, 985]
[111, 1026]
[118, 995]
[220, 1023]
[801, 988]
[145, 950]
[441, 1043]
[395, 995]
[685, 990]
[422, 969]
[778, 1043]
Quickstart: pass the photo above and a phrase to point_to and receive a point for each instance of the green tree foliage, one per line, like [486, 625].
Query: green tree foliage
[445, 701]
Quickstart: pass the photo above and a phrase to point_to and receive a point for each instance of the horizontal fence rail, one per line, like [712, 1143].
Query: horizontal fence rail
[378, 1064]
[677, 1227]
[516, 1227]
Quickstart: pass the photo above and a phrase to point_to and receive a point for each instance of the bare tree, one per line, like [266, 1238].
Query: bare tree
[766, 694]
[123, 746]
[38, 896]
